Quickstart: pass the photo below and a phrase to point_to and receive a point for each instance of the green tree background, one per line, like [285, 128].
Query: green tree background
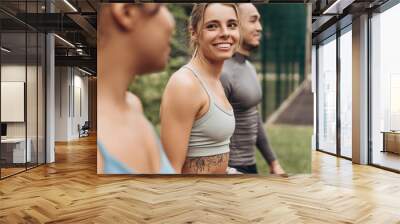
[149, 88]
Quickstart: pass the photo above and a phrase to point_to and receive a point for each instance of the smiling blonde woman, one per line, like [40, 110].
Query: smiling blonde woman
[197, 120]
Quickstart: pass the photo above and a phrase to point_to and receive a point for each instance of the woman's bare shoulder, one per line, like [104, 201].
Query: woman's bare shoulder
[183, 87]
[134, 102]
[183, 79]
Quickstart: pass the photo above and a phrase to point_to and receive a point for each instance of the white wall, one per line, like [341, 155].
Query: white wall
[81, 102]
[12, 73]
[62, 81]
[33, 126]
[71, 93]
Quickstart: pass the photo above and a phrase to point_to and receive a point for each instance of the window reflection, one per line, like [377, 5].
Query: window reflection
[327, 95]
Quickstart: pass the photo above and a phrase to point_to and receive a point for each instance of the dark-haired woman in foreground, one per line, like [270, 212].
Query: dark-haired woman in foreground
[133, 39]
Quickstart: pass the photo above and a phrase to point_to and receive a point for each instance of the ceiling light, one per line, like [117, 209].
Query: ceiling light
[65, 41]
[70, 5]
[5, 50]
[84, 71]
[337, 7]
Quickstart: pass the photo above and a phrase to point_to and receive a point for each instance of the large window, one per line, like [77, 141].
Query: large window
[335, 74]
[385, 87]
[346, 92]
[327, 95]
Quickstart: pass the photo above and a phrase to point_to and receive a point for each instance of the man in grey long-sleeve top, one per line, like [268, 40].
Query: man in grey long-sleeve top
[239, 79]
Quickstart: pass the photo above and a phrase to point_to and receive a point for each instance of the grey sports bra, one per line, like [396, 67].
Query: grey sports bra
[210, 134]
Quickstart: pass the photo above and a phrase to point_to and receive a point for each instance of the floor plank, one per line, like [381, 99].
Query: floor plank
[70, 191]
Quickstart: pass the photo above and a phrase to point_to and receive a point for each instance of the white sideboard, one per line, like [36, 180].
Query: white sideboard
[18, 145]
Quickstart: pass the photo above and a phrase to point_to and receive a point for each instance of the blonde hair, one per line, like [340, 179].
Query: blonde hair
[196, 20]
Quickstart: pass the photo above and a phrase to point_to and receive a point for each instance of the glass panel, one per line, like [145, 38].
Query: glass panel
[31, 99]
[327, 96]
[32, 90]
[314, 80]
[346, 94]
[41, 98]
[23, 84]
[13, 90]
[386, 89]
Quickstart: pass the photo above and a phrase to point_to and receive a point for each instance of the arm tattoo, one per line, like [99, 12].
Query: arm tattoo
[205, 164]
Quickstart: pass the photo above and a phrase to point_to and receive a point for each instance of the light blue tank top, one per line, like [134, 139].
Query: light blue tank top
[113, 166]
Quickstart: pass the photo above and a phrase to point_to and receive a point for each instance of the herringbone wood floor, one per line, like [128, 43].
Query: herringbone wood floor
[70, 191]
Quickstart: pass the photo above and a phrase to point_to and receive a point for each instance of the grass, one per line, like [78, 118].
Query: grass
[292, 146]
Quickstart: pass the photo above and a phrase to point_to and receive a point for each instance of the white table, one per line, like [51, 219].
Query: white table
[19, 155]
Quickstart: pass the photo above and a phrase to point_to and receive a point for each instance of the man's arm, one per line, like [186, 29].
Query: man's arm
[226, 83]
[263, 144]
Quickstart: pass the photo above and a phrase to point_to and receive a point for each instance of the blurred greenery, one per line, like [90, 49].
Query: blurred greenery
[292, 146]
[149, 88]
